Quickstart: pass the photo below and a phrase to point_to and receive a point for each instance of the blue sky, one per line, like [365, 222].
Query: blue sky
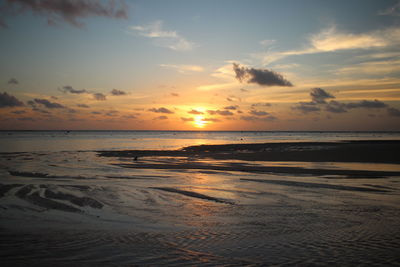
[179, 55]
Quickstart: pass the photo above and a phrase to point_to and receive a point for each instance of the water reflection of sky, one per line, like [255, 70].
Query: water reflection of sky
[28, 141]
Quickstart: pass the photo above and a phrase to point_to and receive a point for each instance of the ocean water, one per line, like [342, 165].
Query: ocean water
[29, 141]
[64, 205]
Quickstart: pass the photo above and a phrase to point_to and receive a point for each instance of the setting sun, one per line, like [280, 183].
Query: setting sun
[199, 121]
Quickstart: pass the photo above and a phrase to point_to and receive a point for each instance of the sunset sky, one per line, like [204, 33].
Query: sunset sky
[200, 65]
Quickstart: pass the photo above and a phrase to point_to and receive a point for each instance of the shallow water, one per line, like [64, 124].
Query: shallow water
[74, 208]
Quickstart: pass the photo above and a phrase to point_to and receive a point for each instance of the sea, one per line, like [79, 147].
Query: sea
[29, 141]
[63, 204]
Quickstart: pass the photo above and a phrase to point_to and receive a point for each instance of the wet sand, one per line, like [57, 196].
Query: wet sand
[378, 151]
[228, 205]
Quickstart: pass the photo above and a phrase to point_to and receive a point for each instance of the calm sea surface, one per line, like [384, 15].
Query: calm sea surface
[30, 141]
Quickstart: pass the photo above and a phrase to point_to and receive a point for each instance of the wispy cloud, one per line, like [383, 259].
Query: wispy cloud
[69, 11]
[331, 40]
[391, 11]
[170, 39]
[183, 68]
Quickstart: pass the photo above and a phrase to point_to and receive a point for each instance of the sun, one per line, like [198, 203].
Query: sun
[199, 122]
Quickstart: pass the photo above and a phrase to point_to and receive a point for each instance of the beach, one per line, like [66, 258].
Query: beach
[223, 202]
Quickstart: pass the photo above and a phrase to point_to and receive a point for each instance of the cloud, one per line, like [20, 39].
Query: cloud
[267, 42]
[161, 110]
[161, 118]
[18, 112]
[96, 112]
[394, 112]
[366, 104]
[319, 95]
[258, 113]
[47, 103]
[211, 119]
[391, 11]
[195, 112]
[331, 40]
[69, 11]
[117, 92]
[12, 81]
[129, 117]
[187, 119]
[175, 94]
[336, 107]
[99, 96]
[69, 89]
[220, 112]
[82, 105]
[232, 107]
[7, 100]
[260, 105]
[168, 39]
[306, 107]
[244, 90]
[255, 118]
[183, 68]
[263, 77]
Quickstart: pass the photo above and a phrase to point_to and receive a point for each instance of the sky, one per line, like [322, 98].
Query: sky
[305, 65]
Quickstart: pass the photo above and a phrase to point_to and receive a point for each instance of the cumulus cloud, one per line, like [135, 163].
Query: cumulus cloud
[258, 113]
[71, 90]
[12, 81]
[263, 77]
[195, 112]
[47, 103]
[99, 96]
[7, 100]
[164, 38]
[69, 11]
[220, 112]
[117, 92]
[394, 112]
[319, 95]
[161, 110]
